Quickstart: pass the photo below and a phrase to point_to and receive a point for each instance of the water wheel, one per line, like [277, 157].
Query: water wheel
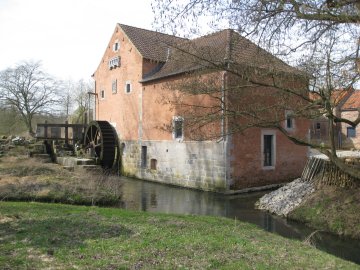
[101, 137]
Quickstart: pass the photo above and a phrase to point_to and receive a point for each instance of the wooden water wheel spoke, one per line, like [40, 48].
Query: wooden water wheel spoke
[87, 139]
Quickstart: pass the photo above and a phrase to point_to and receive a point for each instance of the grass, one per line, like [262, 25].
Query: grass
[55, 236]
[332, 209]
[23, 178]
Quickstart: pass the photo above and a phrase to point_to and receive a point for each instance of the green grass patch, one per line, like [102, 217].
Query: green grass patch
[55, 236]
[332, 209]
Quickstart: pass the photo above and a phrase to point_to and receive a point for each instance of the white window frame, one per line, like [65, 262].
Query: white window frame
[288, 115]
[126, 84]
[273, 156]
[114, 62]
[175, 119]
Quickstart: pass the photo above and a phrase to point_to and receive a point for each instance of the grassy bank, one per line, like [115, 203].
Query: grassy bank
[24, 178]
[332, 209]
[54, 236]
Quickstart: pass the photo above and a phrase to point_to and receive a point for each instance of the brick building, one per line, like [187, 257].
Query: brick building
[135, 82]
[350, 110]
[346, 104]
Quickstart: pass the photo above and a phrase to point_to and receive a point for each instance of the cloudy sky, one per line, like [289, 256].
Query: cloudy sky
[69, 37]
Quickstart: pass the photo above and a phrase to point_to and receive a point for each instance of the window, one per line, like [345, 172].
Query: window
[128, 87]
[116, 46]
[153, 163]
[351, 132]
[114, 62]
[102, 94]
[289, 120]
[178, 125]
[318, 125]
[268, 145]
[114, 86]
[143, 156]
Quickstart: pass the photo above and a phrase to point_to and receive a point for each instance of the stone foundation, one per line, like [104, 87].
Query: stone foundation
[199, 165]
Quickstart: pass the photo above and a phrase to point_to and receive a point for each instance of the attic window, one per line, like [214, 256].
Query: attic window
[116, 46]
[114, 62]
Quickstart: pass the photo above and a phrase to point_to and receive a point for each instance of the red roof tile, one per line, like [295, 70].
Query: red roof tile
[217, 48]
[151, 45]
[336, 95]
[353, 102]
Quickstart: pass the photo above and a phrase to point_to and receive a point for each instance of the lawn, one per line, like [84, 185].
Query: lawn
[57, 236]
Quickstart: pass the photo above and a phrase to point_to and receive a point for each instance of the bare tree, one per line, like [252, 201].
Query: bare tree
[67, 100]
[80, 98]
[322, 38]
[30, 90]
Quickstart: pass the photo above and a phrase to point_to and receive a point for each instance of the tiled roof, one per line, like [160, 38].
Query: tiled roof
[353, 102]
[219, 47]
[151, 45]
[337, 96]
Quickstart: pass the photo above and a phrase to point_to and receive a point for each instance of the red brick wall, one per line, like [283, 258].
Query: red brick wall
[161, 101]
[121, 109]
[245, 149]
[247, 163]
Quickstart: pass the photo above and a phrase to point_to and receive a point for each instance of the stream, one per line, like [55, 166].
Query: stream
[153, 197]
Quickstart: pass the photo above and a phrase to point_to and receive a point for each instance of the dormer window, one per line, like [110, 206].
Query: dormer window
[114, 62]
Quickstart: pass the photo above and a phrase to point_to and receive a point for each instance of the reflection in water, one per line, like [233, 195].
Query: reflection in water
[152, 197]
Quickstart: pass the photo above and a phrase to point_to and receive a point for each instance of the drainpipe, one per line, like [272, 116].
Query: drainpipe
[223, 131]
[223, 104]
[95, 97]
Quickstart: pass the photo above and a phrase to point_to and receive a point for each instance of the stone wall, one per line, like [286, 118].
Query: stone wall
[199, 165]
[285, 199]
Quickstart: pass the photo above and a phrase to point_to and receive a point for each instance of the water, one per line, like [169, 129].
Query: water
[152, 197]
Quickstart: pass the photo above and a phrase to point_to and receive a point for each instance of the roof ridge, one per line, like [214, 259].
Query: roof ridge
[228, 53]
[121, 24]
[210, 34]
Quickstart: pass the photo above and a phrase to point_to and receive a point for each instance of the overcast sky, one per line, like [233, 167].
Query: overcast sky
[69, 37]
